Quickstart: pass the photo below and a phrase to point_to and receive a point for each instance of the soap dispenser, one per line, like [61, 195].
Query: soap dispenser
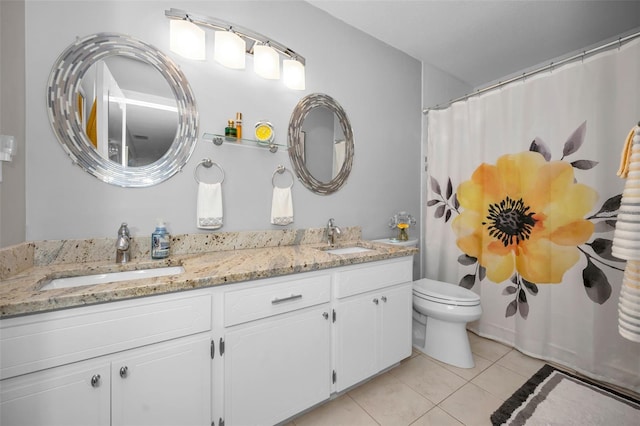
[160, 241]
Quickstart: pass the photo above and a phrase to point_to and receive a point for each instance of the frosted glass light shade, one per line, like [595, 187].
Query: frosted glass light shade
[293, 74]
[229, 49]
[266, 62]
[187, 39]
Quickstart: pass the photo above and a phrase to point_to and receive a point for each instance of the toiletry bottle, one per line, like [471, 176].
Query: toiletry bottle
[239, 125]
[230, 131]
[160, 241]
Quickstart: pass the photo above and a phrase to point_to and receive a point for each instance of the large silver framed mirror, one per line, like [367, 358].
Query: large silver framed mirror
[122, 110]
[321, 143]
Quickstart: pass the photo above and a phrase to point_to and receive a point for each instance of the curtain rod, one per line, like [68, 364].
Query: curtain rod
[552, 65]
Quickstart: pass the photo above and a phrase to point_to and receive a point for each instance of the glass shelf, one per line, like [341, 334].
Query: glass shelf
[219, 139]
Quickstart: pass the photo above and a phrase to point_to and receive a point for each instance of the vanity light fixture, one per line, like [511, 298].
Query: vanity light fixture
[266, 52]
[229, 49]
[266, 61]
[187, 39]
[293, 74]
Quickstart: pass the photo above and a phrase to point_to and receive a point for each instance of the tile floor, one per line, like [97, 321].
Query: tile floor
[422, 391]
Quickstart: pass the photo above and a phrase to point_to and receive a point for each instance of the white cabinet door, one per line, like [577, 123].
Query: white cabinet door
[76, 394]
[165, 384]
[372, 332]
[396, 304]
[277, 367]
[356, 340]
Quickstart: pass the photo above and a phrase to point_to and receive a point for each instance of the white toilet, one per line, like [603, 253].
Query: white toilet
[440, 316]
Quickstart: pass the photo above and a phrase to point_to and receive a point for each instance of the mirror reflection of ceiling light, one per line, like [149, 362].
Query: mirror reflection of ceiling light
[187, 39]
[137, 102]
[232, 43]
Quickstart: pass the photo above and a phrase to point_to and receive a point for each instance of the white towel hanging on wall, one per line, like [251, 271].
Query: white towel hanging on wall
[209, 205]
[281, 206]
[209, 212]
[281, 201]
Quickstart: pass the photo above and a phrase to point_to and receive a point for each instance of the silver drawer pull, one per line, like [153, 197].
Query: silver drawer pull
[286, 299]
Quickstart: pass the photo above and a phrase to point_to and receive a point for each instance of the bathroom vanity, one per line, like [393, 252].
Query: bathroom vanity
[228, 350]
[133, 362]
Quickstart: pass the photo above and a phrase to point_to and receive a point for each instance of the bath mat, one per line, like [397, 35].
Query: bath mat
[554, 397]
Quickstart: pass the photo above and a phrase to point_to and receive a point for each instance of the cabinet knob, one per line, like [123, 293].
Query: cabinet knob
[375, 300]
[95, 380]
[325, 315]
[124, 371]
[384, 299]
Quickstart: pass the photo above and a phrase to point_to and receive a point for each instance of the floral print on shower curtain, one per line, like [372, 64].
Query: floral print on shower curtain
[521, 203]
[525, 219]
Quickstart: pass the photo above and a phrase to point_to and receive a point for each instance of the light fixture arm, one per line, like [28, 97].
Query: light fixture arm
[248, 35]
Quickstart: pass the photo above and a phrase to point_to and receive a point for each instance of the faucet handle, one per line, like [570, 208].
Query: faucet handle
[124, 230]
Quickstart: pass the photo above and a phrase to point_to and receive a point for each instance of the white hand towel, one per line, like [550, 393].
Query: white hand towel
[281, 206]
[209, 209]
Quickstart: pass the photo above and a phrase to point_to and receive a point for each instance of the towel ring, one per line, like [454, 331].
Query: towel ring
[280, 170]
[207, 163]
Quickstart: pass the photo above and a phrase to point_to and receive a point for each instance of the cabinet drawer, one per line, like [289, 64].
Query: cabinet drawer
[271, 299]
[372, 276]
[46, 340]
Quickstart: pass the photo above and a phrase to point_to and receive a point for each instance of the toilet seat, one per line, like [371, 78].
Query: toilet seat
[444, 293]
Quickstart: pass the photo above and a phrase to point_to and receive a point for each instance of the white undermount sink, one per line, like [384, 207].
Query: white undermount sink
[78, 281]
[348, 250]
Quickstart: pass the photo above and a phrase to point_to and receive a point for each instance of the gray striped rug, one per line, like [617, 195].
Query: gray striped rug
[553, 397]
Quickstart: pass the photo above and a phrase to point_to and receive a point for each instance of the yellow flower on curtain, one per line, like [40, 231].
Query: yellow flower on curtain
[523, 219]
[524, 215]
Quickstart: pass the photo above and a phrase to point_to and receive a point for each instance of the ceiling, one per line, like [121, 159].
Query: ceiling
[482, 41]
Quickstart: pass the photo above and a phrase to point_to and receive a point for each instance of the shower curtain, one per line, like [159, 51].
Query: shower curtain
[521, 203]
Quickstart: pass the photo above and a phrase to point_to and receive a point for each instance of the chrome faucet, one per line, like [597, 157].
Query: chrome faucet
[123, 243]
[332, 232]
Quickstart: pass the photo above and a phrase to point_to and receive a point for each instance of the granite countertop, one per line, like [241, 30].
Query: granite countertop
[20, 293]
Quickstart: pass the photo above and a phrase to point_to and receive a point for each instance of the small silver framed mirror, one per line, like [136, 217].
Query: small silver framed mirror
[122, 110]
[321, 145]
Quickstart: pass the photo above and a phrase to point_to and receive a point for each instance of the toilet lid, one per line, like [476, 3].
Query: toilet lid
[442, 292]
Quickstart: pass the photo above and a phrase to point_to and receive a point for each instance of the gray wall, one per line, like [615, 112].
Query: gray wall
[12, 120]
[62, 201]
[378, 86]
[439, 87]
